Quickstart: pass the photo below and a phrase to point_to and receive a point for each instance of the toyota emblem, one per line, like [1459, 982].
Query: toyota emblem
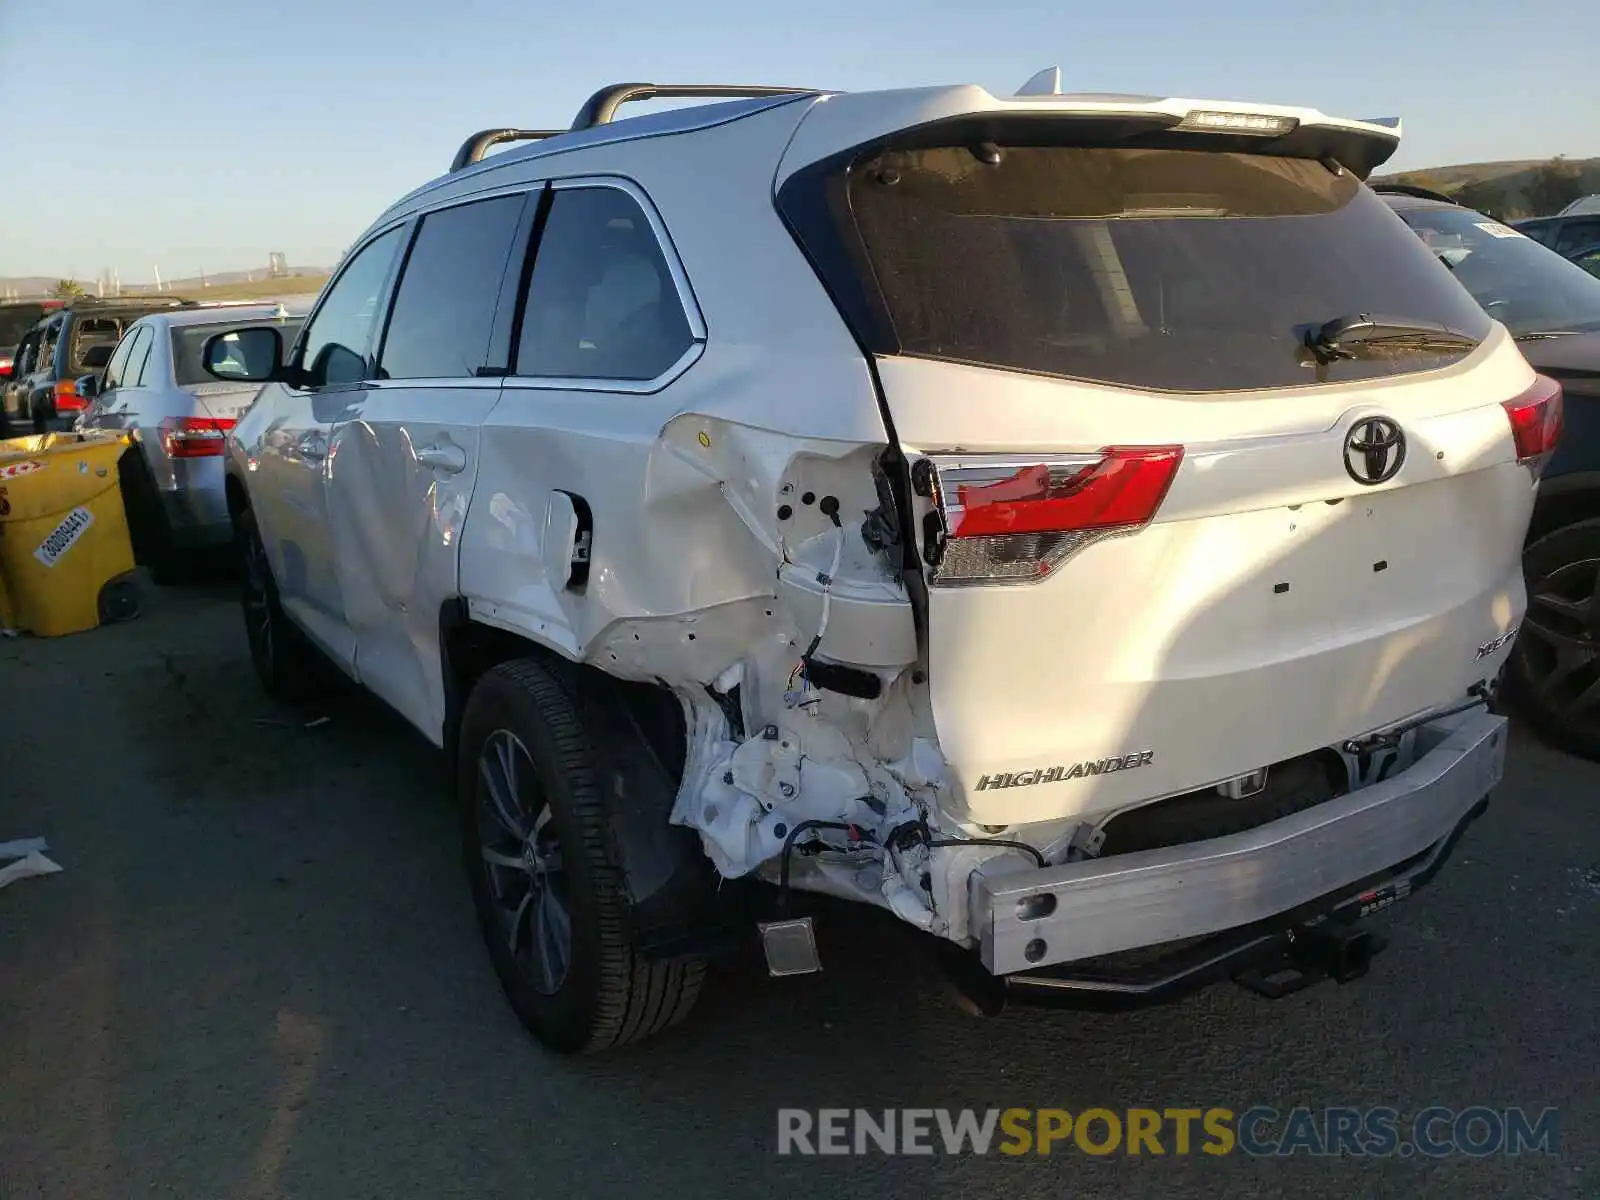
[1374, 451]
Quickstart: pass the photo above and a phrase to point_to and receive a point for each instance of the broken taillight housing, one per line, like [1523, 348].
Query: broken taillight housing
[1011, 520]
[1536, 420]
[195, 437]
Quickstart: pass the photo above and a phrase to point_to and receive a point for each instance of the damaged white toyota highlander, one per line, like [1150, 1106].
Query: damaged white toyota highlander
[1084, 526]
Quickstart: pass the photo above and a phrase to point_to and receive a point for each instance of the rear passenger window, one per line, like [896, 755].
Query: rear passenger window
[601, 300]
[445, 306]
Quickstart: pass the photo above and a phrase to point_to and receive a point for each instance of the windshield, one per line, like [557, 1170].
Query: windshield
[1523, 285]
[188, 343]
[1170, 269]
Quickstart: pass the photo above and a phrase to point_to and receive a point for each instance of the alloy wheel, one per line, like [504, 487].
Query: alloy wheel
[1560, 642]
[522, 855]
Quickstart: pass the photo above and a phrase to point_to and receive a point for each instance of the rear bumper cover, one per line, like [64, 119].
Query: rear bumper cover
[1105, 906]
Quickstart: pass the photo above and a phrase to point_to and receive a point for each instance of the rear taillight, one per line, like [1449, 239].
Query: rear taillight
[67, 398]
[1007, 520]
[195, 437]
[1536, 420]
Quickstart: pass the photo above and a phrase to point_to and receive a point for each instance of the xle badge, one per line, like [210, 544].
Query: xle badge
[1099, 766]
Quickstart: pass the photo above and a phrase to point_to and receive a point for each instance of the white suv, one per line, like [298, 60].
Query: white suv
[1085, 526]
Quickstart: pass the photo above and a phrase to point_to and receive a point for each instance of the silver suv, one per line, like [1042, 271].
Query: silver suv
[1086, 527]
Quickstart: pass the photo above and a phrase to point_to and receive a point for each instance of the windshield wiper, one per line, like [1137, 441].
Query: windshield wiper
[1539, 335]
[1355, 336]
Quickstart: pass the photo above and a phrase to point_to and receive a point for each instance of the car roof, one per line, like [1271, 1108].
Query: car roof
[829, 122]
[219, 315]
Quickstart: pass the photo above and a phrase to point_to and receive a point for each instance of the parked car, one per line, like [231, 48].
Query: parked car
[156, 388]
[1552, 308]
[901, 496]
[1569, 235]
[64, 345]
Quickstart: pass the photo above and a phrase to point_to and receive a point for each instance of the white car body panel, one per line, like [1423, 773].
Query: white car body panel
[402, 464]
[714, 565]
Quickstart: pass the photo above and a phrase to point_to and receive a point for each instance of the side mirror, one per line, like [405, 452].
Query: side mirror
[88, 386]
[244, 355]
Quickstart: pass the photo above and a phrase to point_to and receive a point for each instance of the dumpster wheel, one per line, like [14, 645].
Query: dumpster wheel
[119, 600]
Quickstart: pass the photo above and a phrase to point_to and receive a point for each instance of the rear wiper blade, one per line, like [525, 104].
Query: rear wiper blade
[1348, 337]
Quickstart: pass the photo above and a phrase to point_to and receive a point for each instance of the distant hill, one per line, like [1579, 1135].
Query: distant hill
[224, 285]
[1512, 189]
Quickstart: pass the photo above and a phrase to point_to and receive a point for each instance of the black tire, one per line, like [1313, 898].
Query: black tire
[1552, 678]
[289, 667]
[576, 738]
[148, 530]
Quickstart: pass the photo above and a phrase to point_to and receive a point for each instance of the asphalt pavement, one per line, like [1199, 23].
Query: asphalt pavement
[259, 976]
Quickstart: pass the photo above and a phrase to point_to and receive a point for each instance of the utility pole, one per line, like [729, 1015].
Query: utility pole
[158, 278]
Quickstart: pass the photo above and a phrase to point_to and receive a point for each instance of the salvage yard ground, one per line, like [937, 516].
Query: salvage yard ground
[259, 975]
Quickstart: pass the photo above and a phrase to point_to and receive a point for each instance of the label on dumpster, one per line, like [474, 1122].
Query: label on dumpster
[63, 536]
[17, 470]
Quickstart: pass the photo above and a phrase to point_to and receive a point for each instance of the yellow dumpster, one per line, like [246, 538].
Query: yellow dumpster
[65, 557]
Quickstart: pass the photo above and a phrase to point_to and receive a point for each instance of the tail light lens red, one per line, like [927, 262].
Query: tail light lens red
[1536, 420]
[67, 398]
[195, 437]
[1011, 521]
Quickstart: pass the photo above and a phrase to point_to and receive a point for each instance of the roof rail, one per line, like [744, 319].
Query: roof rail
[1407, 189]
[475, 147]
[601, 108]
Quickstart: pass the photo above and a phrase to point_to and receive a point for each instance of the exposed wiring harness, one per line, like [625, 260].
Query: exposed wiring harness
[857, 837]
[799, 670]
[911, 833]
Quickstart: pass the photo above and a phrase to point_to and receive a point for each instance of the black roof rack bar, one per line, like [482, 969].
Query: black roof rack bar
[475, 147]
[1408, 189]
[601, 108]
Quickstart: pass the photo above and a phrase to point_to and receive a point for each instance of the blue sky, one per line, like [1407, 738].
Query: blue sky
[205, 133]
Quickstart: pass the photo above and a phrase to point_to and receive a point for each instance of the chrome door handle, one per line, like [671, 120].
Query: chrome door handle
[445, 457]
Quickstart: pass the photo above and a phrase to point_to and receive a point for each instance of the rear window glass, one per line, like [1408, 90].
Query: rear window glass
[88, 332]
[1168, 269]
[188, 343]
[16, 320]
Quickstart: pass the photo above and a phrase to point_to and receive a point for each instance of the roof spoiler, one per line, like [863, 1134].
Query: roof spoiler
[1408, 189]
[601, 109]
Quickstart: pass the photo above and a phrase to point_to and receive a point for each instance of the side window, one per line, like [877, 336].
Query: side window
[601, 302]
[138, 355]
[445, 305]
[45, 359]
[337, 339]
[119, 360]
[1577, 235]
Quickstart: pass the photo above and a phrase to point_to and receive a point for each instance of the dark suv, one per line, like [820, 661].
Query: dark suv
[77, 339]
[1552, 308]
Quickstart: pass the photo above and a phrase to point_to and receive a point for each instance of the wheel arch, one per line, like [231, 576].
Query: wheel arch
[1564, 500]
[671, 884]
